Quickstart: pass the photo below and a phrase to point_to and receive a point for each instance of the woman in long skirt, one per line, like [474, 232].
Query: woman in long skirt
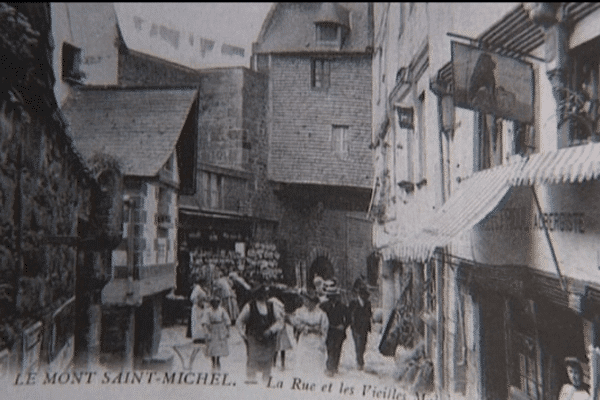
[198, 299]
[259, 324]
[217, 324]
[312, 324]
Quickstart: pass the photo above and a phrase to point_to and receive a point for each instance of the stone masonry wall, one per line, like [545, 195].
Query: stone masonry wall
[301, 145]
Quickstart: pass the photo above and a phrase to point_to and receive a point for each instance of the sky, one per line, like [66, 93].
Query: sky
[173, 30]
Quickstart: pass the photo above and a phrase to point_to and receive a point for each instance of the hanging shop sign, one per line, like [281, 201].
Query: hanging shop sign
[491, 83]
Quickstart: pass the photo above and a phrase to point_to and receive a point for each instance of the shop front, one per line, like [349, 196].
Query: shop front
[232, 244]
[535, 272]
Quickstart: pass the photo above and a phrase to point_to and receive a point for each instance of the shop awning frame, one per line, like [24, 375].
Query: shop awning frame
[569, 165]
[476, 197]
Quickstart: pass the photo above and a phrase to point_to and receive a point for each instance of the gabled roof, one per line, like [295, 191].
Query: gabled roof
[290, 27]
[139, 127]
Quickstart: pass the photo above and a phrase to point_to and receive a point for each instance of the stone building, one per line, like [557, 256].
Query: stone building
[149, 136]
[57, 229]
[487, 163]
[148, 133]
[318, 60]
[233, 202]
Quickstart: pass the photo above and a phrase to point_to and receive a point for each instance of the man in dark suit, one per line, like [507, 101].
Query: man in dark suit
[337, 313]
[360, 324]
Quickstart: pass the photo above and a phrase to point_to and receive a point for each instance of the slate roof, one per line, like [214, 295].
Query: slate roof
[139, 127]
[290, 27]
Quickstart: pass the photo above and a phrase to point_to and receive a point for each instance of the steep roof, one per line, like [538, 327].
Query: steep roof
[290, 27]
[139, 127]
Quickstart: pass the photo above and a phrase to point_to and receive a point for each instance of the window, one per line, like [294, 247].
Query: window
[523, 138]
[339, 140]
[320, 71]
[406, 134]
[328, 33]
[489, 141]
[523, 351]
[578, 119]
[400, 19]
[164, 201]
[420, 138]
[262, 62]
[72, 58]
[212, 193]
[493, 132]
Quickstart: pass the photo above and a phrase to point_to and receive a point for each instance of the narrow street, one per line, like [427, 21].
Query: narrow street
[375, 381]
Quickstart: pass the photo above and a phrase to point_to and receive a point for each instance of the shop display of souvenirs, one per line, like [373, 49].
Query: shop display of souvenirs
[260, 263]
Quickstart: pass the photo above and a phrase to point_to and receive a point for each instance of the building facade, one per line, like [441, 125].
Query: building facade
[147, 138]
[151, 153]
[234, 204]
[318, 60]
[486, 152]
[56, 237]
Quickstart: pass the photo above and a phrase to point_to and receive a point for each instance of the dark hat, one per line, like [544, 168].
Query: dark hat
[310, 296]
[331, 289]
[262, 290]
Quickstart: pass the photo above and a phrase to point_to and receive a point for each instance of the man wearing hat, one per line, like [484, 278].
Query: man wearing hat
[576, 390]
[337, 313]
[360, 323]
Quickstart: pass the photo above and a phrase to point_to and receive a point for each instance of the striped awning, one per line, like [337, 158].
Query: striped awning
[568, 165]
[476, 197]
[515, 35]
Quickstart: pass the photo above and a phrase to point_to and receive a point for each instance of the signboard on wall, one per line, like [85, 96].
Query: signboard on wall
[491, 83]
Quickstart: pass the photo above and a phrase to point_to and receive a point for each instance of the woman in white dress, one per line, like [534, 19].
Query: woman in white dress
[311, 324]
[216, 322]
[576, 389]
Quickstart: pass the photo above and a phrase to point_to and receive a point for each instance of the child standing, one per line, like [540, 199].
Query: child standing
[217, 323]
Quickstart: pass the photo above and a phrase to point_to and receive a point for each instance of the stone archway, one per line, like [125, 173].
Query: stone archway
[320, 266]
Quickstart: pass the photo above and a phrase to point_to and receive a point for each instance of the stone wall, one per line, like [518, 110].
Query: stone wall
[301, 144]
[44, 192]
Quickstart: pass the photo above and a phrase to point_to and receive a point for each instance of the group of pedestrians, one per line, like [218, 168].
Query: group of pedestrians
[357, 315]
[319, 326]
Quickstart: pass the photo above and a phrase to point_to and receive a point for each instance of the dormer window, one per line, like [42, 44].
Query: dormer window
[332, 25]
[328, 34]
[72, 58]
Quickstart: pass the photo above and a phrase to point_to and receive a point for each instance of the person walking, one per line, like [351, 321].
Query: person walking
[259, 324]
[311, 325]
[283, 339]
[360, 324]
[337, 313]
[216, 322]
[222, 288]
[198, 298]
